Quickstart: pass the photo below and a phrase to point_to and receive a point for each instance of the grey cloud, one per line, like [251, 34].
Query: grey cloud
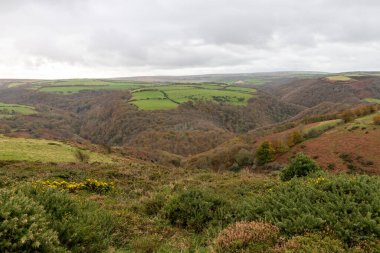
[132, 37]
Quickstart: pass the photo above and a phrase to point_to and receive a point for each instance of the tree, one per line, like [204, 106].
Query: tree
[265, 153]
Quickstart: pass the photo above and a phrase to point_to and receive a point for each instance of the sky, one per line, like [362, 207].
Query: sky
[119, 38]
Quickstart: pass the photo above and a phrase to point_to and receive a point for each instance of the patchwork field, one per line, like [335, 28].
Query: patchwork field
[152, 96]
[7, 110]
[15, 149]
[168, 97]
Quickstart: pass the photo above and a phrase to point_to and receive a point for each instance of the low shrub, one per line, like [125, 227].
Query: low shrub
[81, 226]
[348, 206]
[195, 209]
[24, 226]
[247, 237]
[244, 157]
[312, 243]
[154, 204]
[91, 185]
[300, 166]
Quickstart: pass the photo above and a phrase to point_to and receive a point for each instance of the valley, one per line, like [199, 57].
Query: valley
[193, 163]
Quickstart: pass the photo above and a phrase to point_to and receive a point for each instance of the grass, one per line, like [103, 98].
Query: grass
[372, 100]
[339, 78]
[74, 89]
[77, 85]
[162, 97]
[10, 109]
[150, 96]
[324, 125]
[365, 121]
[155, 104]
[21, 149]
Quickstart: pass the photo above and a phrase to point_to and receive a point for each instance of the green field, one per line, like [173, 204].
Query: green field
[155, 104]
[77, 85]
[21, 149]
[151, 96]
[372, 100]
[7, 110]
[161, 97]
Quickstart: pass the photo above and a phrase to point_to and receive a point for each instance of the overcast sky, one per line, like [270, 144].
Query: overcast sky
[114, 38]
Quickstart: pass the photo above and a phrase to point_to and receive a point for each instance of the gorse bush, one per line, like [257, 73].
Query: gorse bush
[247, 237]
[91, 185]
[24, 226]
[300, 166]
[80, 226]
[346, 205]
[195, 209]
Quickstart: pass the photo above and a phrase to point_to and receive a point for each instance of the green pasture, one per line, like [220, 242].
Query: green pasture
[10, 109]
[21, 149]
[161, 97]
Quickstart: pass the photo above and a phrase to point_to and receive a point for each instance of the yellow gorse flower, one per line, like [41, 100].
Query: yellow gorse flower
[92, 185]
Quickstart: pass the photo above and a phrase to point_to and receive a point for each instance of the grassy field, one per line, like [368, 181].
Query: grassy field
[155, 104]
[324, 125]
[77, 85]
[169, 96]
[7, 110]
[20, 149]
[151, 96]
[372, 100]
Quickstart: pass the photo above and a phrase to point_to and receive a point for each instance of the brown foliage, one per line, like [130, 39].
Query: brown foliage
[241, 235]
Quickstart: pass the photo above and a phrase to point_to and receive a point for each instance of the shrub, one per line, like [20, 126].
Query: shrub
[294, 138]
[347, 205]
[91, 185]
[247, 236]
[24, 226]
[154, 204]
[82, 156]
[376, 120]
[244, 157]
[312, 243]
[234, 167]
[265, 153]
[194, 209]
[300, 166]
[81, 226]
